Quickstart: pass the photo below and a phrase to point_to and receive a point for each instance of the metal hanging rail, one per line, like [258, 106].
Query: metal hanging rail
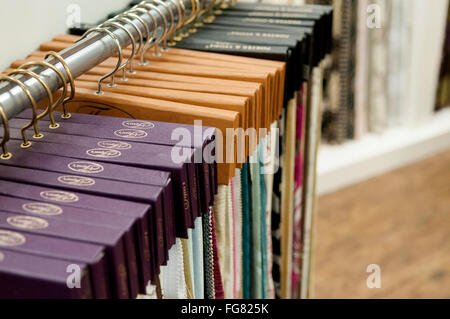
[80, 58]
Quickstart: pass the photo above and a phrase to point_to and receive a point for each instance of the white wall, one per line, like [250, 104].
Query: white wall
[429, 19]
[24, 24]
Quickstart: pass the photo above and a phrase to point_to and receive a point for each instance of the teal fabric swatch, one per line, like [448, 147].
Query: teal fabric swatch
[246, 228]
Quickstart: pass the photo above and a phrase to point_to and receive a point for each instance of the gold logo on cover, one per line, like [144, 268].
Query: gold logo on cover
[76, 180]
[185, 195]
[86, 167]
[115, 145]
[123, 278]
[103, 153]
[130, 133]
[42, 209]
[60, 196]
[27, 222]
[136, 124]
[10, 238]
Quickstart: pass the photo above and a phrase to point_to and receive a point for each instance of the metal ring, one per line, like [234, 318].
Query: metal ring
[69, 78]
[119, 62]
[201, 12]
[179, 30]
[172, 22]
[183, 11]
[163, 17]
[179, 22]
[142, 55]
[52, 125]
[5, 154]
[133, 44]
[124, 19]
[49, 95]
[193, 13]
[25, 143]
[197, 15]
[155, 30]
[195, 9]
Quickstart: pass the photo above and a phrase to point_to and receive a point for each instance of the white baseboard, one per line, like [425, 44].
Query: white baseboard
[355, 161]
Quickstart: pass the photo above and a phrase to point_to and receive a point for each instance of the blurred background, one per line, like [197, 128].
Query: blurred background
[383, 172]
[384, 162]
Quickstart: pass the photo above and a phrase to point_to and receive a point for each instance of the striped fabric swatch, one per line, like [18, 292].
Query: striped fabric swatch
[237, 203]
[187, 269]
[220, 232]
[256, 259]
[218, 285]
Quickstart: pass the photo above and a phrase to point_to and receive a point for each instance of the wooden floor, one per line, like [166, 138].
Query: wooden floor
[399, 221]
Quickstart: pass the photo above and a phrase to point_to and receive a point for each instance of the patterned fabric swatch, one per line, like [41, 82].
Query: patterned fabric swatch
[229, 245]
[173, 282]
[269, 171]
[208, 255]
[276, 211]
[297, 222]
[220, 221]
[218, 285]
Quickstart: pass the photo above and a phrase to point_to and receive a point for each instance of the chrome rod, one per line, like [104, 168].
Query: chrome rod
[80, 58]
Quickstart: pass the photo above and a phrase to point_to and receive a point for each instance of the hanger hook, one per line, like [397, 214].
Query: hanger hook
[124, 19]
[133, 46]
[202, 9]
[181, 14]
[172, 22]
[53, 124]
[147, 31]
[25, 142]
[5, 154]
[180, 21]
[47, 90]
[150, 6]
[193, 13]
[195, 10]
[70, 79]
[37, 135]
[149, 39]
[119, 62]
